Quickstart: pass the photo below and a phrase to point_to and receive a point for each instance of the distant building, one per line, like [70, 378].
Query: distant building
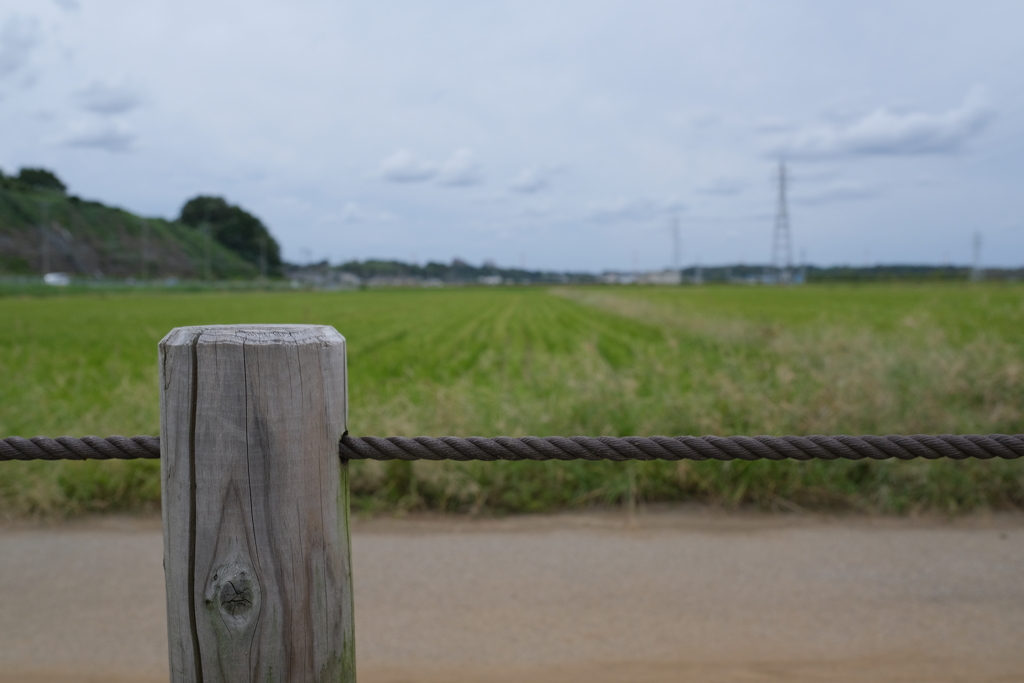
[654, 277]
[322, 277]
[661, 277]
[394, 281]
[57, 279]
[611, 278]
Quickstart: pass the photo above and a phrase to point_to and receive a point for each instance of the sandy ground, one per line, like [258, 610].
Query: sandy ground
[672, 596]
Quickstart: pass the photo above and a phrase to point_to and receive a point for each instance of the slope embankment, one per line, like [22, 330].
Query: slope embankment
[45, 231]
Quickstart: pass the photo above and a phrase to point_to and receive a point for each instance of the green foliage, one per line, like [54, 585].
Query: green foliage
[235, 228]
[40, 179]
[14, 265]
[457, 271]
[91, 239]
[515, 361]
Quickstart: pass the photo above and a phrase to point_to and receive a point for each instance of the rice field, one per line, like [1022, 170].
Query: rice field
[590, 360]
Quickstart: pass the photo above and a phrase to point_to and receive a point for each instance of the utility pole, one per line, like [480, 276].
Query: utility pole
[44, 242]
[782, 248]
[976, 274]
[263, 258]
[207, 243]
[207, 256]
[208, 232]
[143, 250]
[675, 243]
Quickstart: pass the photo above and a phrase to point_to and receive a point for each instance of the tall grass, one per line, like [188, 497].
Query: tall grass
[719, 360]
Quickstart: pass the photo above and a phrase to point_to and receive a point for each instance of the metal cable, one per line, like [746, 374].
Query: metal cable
[574, 448]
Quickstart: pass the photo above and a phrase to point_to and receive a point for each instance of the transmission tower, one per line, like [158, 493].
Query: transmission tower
[782, 247]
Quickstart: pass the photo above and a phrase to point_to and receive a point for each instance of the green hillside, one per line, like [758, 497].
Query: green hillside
[42, 229]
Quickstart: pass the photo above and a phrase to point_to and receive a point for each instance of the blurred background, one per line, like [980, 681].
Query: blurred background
[586, 218]
[181, 163]
[537, 218]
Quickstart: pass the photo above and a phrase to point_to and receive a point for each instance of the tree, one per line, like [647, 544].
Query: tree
[235, 228]
[40, 179]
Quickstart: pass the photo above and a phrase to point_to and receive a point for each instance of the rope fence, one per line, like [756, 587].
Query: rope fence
[236, 546]
[956, 447]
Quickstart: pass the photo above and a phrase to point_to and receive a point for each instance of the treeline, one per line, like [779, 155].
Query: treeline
[29, 179]
[458, 271]
[906, 272]
[236, 229]
[758, 274]
[383, 272]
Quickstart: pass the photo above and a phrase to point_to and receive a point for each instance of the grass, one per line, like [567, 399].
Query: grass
[516, 361]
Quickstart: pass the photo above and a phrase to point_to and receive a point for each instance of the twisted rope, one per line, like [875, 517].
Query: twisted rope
[86, 448]
[574, 448]
[685, 447]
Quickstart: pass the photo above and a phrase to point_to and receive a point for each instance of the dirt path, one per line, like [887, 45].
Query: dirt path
[684, 595]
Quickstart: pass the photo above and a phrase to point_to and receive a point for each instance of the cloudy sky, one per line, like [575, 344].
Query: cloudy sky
[561, 135]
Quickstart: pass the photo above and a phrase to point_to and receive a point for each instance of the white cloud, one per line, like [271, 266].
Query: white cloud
[705, 119]
[405, 167]
[835, 191]
[462, 169]
[109, 136]
[352, 213]
[107, 99]
[723, 186]
[531, 180]
[888, 132]
[773, 126]
[67, 5]
[536, 211]
[634, 210]
[18, 37]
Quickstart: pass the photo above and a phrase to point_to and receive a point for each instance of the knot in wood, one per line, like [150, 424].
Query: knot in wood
[234, 594]
[236, 597]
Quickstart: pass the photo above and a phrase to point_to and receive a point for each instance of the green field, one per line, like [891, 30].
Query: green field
[516, 361]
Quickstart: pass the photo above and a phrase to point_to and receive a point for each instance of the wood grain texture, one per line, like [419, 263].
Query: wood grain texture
[256, 504]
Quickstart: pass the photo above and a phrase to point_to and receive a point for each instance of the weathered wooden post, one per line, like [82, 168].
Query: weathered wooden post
[255, 504]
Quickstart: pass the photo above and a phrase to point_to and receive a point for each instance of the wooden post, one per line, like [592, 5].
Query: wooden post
[255, 504]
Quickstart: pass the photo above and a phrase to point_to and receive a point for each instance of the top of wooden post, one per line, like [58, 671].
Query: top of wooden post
[253, 334]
